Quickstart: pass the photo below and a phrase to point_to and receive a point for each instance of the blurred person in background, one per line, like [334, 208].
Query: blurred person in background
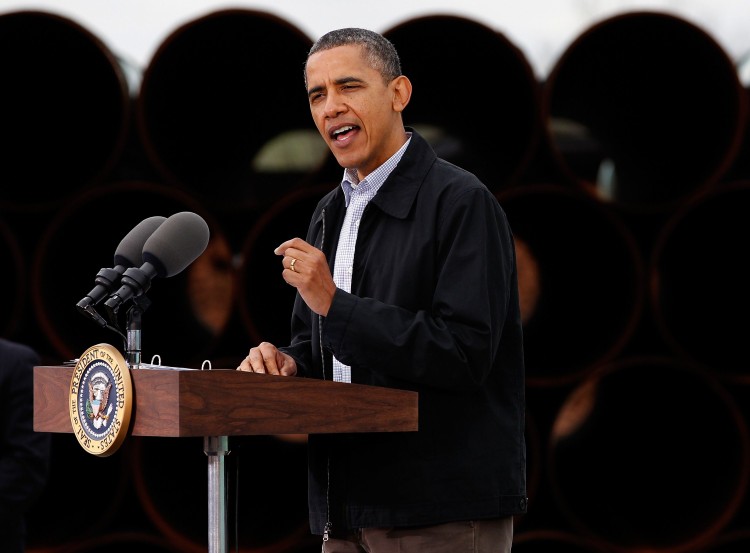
[24, 454]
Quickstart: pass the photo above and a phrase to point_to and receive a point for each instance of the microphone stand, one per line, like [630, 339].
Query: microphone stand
[133, 345]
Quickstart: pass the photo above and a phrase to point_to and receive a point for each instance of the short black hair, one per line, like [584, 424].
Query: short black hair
[379, 52]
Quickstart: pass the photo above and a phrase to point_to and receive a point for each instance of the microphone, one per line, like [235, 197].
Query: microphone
[172, 247]
[127, 254]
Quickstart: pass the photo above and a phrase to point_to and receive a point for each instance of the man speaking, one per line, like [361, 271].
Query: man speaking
[406, 279]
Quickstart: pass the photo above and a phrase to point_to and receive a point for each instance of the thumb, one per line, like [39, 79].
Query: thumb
[287, 365]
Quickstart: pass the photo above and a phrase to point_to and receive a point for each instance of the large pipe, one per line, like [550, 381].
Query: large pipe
[64, 107]
[188, 311]
[740, 169]
[643, 437]
[475, 95]
[51, 526]
[644, 109]
[699, 281]
[731, 542]
[256, 497]
[553, 541]
[217, 91]
[580, 278]
[117, 541]
[260, 285]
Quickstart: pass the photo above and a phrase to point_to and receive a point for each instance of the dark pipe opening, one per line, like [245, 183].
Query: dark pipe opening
[64, 107]
[188, 311]
[699, 280]
[475, 96]
[265, 300]
[580, 278]
[644, 437]
[262, 528]
[644, 109]
[217, 91]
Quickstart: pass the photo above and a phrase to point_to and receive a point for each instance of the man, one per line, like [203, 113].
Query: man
[24, 454]
[407, 279]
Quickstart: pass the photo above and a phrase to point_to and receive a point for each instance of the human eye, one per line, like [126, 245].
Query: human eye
[350, 84]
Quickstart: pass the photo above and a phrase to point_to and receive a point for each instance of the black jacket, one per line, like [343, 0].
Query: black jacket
[434, 308]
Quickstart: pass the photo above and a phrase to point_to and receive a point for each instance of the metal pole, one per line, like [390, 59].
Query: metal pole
[216, 448]
[133, 341]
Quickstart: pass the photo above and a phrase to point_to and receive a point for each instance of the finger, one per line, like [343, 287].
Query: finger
[288, 370]
[253, 362]
[294, 243]
[268, 355]
[295, 264]
[257, 365]
[246, 365]
[292, 260]
[287, 364]
[281, 248]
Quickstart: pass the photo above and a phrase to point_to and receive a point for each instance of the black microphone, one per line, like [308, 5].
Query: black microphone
[127, 254]
[172, 247]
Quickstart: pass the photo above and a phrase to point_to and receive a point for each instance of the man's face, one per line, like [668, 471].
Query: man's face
[357, 113]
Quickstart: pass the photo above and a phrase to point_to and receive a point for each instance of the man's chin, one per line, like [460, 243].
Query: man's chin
[345, 162]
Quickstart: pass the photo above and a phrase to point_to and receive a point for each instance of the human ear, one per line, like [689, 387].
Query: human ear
[401, 92]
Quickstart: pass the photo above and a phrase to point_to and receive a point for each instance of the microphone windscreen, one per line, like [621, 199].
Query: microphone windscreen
[176, 243]
[129, 252]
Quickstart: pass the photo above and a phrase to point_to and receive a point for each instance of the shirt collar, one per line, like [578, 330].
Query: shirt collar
[372, 182]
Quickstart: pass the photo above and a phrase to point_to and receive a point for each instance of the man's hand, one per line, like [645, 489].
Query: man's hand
[266, 359]
[306, 268]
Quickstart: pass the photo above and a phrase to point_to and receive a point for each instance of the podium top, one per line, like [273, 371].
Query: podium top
[222, 402]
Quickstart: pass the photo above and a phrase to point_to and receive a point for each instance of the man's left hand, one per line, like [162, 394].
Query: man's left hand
[306, 268]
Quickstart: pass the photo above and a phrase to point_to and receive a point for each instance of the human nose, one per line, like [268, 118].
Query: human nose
[334, 105]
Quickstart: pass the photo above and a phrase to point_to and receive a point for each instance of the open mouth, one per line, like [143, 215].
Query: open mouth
[343, 132]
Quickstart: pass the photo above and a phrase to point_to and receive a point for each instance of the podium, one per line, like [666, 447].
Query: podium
[219, 403]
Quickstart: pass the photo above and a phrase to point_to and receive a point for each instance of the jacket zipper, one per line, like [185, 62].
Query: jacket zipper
[328, 525]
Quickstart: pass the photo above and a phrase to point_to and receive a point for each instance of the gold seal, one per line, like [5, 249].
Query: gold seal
[101, 400]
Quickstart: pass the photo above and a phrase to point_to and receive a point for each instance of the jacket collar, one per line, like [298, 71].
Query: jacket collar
[398, 192]
[400, 189]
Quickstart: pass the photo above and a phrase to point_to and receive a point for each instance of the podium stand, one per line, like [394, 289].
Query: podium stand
[216, 404]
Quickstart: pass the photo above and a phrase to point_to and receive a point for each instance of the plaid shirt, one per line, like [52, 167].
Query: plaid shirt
[357, 195]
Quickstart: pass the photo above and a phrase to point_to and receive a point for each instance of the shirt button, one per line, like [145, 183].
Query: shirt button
[350, 270]
[356, 223]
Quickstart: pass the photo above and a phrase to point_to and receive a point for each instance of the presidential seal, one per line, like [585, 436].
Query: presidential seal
[101, 399]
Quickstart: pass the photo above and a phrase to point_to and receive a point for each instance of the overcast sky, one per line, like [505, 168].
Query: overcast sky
[542, 29]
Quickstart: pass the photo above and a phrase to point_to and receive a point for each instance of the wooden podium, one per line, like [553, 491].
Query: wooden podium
[217, 404]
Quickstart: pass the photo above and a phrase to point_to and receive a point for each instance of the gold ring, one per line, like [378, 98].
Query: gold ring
[291, 265]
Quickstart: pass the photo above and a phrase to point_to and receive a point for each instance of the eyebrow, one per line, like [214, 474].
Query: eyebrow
[340, 81]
